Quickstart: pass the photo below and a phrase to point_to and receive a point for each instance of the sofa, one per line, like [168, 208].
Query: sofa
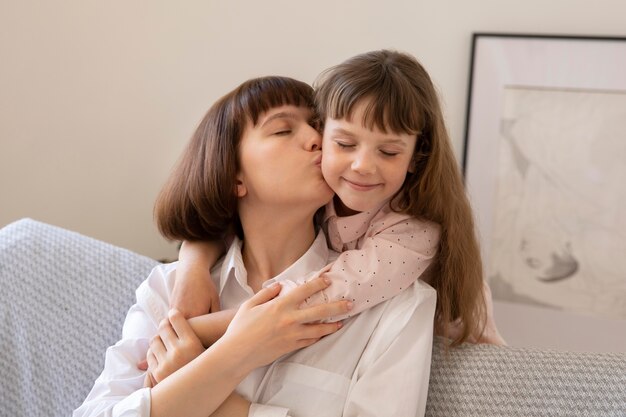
[64, 297]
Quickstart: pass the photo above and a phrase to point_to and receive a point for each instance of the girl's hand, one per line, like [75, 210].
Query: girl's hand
[175, 346]
[266, 327]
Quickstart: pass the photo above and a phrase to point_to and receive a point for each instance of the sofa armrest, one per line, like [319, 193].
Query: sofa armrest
[485, 380]
[63, 301]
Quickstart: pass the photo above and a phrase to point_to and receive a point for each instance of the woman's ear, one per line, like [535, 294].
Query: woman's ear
[240, 188]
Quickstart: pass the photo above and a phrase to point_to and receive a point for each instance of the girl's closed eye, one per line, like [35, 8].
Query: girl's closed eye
[389, 153]
[343, 144]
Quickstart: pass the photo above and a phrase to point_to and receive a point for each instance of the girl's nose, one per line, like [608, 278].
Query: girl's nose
[363, 164]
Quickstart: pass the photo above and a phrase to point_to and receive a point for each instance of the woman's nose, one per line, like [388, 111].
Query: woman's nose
[313, 140]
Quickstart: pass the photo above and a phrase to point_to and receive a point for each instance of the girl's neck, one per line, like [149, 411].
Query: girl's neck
[273, 242]
[341, 209]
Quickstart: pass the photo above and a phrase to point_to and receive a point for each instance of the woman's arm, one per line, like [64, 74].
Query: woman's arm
[119, 389]
[261, 331]
[234, 406]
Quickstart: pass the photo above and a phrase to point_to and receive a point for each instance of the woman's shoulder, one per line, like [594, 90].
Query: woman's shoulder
[418, 294]
[409, 316]
[417, 300]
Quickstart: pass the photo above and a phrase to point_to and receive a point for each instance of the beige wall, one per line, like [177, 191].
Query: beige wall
[97, 99]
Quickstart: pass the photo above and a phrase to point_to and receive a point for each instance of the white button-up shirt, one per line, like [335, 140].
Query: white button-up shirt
[378, 364]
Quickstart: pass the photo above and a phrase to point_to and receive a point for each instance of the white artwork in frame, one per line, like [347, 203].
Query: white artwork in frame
[545, 166]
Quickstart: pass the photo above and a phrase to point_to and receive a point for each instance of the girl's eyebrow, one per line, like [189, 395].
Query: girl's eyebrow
[343, 132]
[392, 141]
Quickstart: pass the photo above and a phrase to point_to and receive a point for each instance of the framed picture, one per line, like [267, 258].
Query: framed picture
[545, 169]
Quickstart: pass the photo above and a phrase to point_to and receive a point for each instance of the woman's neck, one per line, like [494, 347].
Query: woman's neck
[273, 243]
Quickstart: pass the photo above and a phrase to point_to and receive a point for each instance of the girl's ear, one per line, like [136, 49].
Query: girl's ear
[412, 166]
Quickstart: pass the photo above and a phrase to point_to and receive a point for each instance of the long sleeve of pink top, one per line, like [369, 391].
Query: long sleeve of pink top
[382, 253]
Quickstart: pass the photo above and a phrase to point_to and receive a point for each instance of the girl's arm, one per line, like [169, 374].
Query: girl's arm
[174, 347]
[210, 327]
[490, 334]
[396, 252]
[194, 291]
[207, 329]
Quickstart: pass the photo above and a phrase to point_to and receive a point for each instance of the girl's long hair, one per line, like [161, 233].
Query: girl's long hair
[401, 98]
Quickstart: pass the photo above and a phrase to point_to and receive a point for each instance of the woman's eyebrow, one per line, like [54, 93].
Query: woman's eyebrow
[280, 115]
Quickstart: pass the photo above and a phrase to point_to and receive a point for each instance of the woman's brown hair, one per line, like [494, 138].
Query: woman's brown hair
[401, 98]
[198, 201]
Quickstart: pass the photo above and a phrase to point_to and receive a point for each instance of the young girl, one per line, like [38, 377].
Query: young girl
[400, 211]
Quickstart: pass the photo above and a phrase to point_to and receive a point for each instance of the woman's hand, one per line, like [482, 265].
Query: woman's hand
[266, 327]
[172, 348]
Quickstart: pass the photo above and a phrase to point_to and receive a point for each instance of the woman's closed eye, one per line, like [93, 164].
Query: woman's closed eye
[283, 132]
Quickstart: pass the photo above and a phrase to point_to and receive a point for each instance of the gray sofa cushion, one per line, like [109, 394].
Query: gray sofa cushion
[63, 301]
[64, 297]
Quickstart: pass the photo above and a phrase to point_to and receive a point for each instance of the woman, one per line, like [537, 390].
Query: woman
[254, 161]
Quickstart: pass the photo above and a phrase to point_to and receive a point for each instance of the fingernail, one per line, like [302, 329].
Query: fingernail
[327, 281]
[339, 324]
[349, 304]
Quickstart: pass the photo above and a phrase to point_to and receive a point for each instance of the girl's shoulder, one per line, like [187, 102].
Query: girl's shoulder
[390, 221]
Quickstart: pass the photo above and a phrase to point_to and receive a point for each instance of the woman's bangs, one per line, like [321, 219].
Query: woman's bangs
[263, 94]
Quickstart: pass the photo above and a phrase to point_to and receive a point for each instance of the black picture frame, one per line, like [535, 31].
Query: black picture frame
[538, 244]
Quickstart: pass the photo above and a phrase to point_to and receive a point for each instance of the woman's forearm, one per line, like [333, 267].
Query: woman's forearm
[210, 327]
[198, 389]
[234, 406]
[262, 330]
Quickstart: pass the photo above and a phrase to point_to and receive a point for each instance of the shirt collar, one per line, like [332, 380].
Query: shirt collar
[232, 266]
[314, 259]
